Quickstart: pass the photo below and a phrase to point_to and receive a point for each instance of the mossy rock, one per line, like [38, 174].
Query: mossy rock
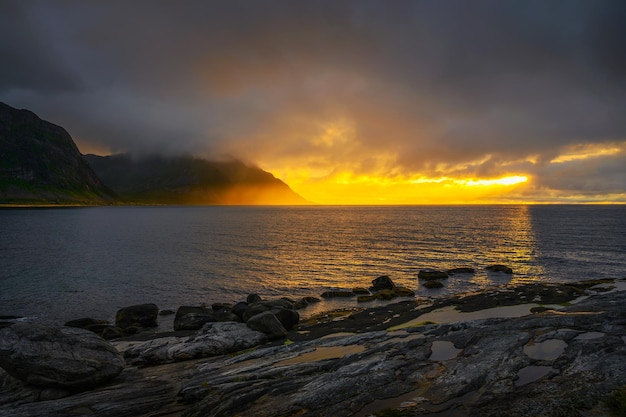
[365, 298]
[361, 291]
[403, 292]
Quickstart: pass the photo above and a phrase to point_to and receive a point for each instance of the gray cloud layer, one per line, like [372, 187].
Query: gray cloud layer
[403, 87]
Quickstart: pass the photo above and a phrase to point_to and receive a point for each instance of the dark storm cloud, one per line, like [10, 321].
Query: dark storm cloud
[434, 86]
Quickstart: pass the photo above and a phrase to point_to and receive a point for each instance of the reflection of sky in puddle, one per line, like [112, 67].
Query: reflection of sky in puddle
[323, 353]
[532, 373]
[590, 335]
[443, 351]
[451, 315]
[547, 350]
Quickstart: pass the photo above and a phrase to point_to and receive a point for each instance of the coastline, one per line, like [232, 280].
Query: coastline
[340, 350]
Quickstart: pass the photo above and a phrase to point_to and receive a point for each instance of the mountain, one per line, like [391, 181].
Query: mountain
[159, 179]
[40, 164]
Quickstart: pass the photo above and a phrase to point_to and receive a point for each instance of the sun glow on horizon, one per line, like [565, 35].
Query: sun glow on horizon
[347, 188]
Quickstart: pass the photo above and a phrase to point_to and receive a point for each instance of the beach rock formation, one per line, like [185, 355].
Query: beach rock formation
[382, 283]
[193, 318]
[141, 315]
[212, 340]
[267, 323]
[499, 268]
[58, 357]
[457, 369]
[450, 357]
[431, 274]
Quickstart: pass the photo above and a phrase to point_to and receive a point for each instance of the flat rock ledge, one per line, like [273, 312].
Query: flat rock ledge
[559, 362]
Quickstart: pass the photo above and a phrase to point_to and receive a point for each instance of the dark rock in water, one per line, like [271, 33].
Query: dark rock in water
[253, 298]
[193, 318]
[267, 323]
[84, 323]
[433, 274]
[499, 268]
[361, 291]
[462, 270]
[338, 294]
[281, 308]
[433, 283]
[403, 292]
[305, 301]
[141, 315]
[58, 357]
[386, 294]
[382, 283]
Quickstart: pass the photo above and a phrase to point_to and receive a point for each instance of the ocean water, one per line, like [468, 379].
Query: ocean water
[66, 263]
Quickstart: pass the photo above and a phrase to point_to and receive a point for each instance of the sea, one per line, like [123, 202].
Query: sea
[59, 264]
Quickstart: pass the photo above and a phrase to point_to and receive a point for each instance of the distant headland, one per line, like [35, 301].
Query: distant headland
[40, 165]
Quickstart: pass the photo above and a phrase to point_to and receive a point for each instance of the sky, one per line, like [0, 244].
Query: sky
[349, 102]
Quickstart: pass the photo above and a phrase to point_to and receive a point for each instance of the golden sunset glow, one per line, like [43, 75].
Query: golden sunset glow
[586, 151]
[350, 189]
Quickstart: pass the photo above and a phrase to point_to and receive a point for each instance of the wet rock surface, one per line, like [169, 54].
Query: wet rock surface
[560, 362]
[58, 357]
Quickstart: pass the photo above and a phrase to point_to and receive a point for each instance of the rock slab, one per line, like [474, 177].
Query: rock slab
[58, 357]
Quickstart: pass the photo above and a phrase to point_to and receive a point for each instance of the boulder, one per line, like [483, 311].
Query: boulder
[239, 309]
[193, 318]
[305, 301]
[253, 298]
[382, 283]
[267, 323]
[213, 339]
[141, 315]
[58, 357]
[288, 318]
[433, 274]
[281, 308]
[499, 268]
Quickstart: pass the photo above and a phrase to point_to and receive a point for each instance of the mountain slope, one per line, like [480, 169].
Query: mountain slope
[187, 180]
[40, 163]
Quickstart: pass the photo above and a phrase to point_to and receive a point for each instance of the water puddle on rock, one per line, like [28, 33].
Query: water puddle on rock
[590, 336]
[532, 373]
[322, 353]
[443, 351]
[451, 315]
[547, 350]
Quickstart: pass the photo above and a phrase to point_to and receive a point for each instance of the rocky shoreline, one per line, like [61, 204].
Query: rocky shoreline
[550, 350]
